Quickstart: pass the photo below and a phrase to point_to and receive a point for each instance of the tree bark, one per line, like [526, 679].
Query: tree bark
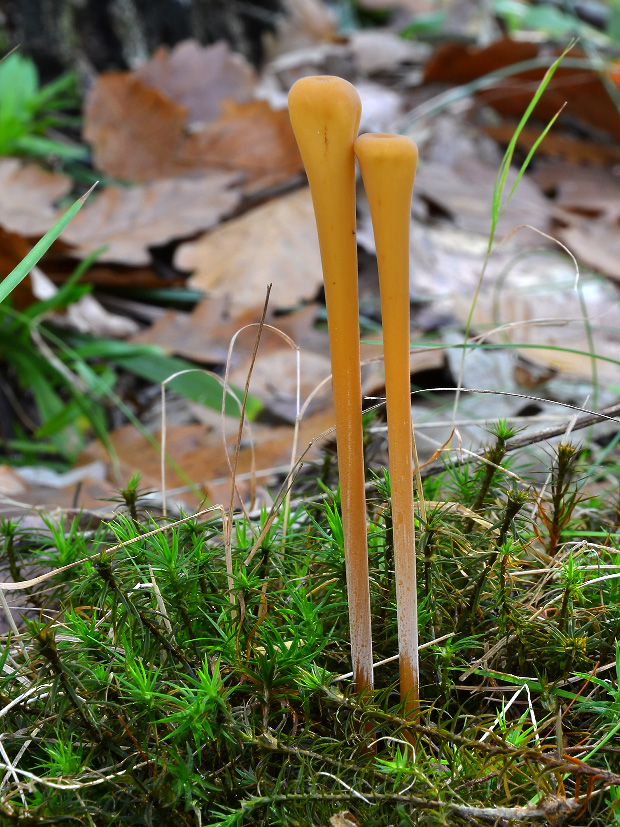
[96, 35]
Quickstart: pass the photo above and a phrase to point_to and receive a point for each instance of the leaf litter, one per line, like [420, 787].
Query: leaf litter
[127, 221]
[139, 132]
[195, 152]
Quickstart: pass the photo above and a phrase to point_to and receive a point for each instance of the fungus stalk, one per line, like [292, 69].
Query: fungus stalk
[325, 113]
[388, 164]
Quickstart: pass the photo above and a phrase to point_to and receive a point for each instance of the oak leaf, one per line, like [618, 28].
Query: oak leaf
[28, 195]
[252, 138]
[275, 243]
[199, 77]
[136, 132]
[199, 453]
[129, 220]
[139, 134]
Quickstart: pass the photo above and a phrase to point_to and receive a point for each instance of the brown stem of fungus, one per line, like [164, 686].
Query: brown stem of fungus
[388, 164]
[325, 113]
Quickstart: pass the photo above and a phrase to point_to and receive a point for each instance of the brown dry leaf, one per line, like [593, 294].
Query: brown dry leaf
[23, 490]
[204, 335]
[444, 262]
[585, 91]
[13, 249]
[199, 77]
[587, 201]
[373, 371]
[542, 287]
[596, 244]
[344, 819]
[113, 276]
[252, 138]
[86, 314]
[28, 195]
[458, 63]
[557, 145]
[275, 243]
[582, 191]
[11, 484]
[274, 380]
[273, 447]
[138, 134]
[129, 220]
[379, 50]
[198, 451]
[464, 191]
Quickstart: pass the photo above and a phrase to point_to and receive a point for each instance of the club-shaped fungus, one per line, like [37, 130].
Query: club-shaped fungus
[388, 164]
[325, 113]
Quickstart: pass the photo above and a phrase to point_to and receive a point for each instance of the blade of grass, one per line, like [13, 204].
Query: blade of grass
[500, 181]
[149, 362]
[8, 284]
[67, 293]
[498, 206]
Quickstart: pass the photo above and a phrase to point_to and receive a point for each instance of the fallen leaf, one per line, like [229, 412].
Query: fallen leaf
[596, 244]
[445, 261]
[410, 6]
[449, 139]
[62, 479]
[114, 277]
[251, 138]
[11, 484]
[587, 206]
[129, 220]
[135, 131]
[28, 196]
[274, 380]
[89, 316]
[543, 287]
[459, 63]
[275, 243]
[380, 107]
[30, 494]
[373, 371]
[139, 134]
[464, 191]
[199, 77]
[569, 148]
[204, 335]
[345, 818]
[13, 249]
[582, 191]
[88, 501]
[198, 451]
[584, 89]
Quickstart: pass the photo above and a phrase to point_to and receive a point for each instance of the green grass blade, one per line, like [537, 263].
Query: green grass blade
[39, 146]
[500, 181]
[8, 284]
[200, 388]
[149, 362]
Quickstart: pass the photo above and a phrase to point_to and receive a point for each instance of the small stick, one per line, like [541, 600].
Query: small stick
[325, 113]
[388, 164]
